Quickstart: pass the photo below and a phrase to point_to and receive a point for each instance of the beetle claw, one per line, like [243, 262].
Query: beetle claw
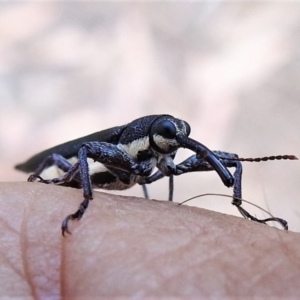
[34, 177]
[76, 216]
[64, 225]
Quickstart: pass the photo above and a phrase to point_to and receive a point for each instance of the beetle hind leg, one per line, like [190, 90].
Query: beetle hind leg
[61, 163]
[52, 160]
[34, 177]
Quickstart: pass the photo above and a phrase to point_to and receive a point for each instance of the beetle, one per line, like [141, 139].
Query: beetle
[120, 157]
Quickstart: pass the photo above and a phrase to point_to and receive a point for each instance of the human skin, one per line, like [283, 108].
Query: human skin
[131, 247]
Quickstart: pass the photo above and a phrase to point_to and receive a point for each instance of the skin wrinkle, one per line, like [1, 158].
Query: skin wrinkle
[164, 255]
[167, 253]
[147, 219]
[153, 258]
[271, 270]
[4, 258]
[189, 244]
[162, 214]
[138, 274]
[213, 256]
[24, 257]
[242, 262]
[130, 241]
[194, 267]
[6, 224]
[242, 271]
[210, 258]
[62, 268]
[176, 272]
[195, 230]
[283, 249]
[33, 247]
[170, 281]
[8, 262]
[229, 276]
[266, 272]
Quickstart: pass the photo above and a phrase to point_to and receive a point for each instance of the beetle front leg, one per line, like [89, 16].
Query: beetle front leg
[107, 154]
[193, 164]
[202, 152]
[73, 171]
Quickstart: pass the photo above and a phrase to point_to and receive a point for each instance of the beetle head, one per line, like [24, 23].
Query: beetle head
[165, 133]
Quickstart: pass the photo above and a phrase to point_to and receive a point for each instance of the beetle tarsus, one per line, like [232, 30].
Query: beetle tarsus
[34, 177]
[76, 216]
[64, 225]
[247, 215]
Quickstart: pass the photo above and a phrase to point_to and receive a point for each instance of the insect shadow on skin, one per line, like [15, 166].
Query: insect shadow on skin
[123, 156]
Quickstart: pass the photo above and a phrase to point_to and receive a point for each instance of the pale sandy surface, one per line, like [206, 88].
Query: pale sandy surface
[230, 70]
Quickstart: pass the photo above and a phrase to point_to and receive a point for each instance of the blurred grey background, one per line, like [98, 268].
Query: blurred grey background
[231, 70]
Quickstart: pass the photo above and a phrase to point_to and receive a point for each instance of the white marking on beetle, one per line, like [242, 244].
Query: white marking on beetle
[135, 146]
[116, 185]
[184, 126]
[55, 172]
[180, 130]
[164, 143]
[166, 165]
[95, 167]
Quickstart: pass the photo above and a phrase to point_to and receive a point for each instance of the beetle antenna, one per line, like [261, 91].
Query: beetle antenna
[243, 212]
[259, 159]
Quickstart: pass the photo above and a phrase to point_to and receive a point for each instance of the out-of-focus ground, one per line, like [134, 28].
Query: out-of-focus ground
[232, 70]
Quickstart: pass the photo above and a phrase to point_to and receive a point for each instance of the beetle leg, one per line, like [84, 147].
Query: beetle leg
[193, 164]
[53, 159]
[166, 167]
[202, 152]
[156, 176]
[76, 216]
[62, 163]
[246, 215]
[145, 191]
[107, 154]
[171, 187]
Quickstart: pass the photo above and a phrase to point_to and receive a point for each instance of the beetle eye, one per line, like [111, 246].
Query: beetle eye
[187, 128]
[166, 129]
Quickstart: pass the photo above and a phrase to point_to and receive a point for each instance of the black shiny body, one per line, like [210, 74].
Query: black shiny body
[71, 148]
[110, 140]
